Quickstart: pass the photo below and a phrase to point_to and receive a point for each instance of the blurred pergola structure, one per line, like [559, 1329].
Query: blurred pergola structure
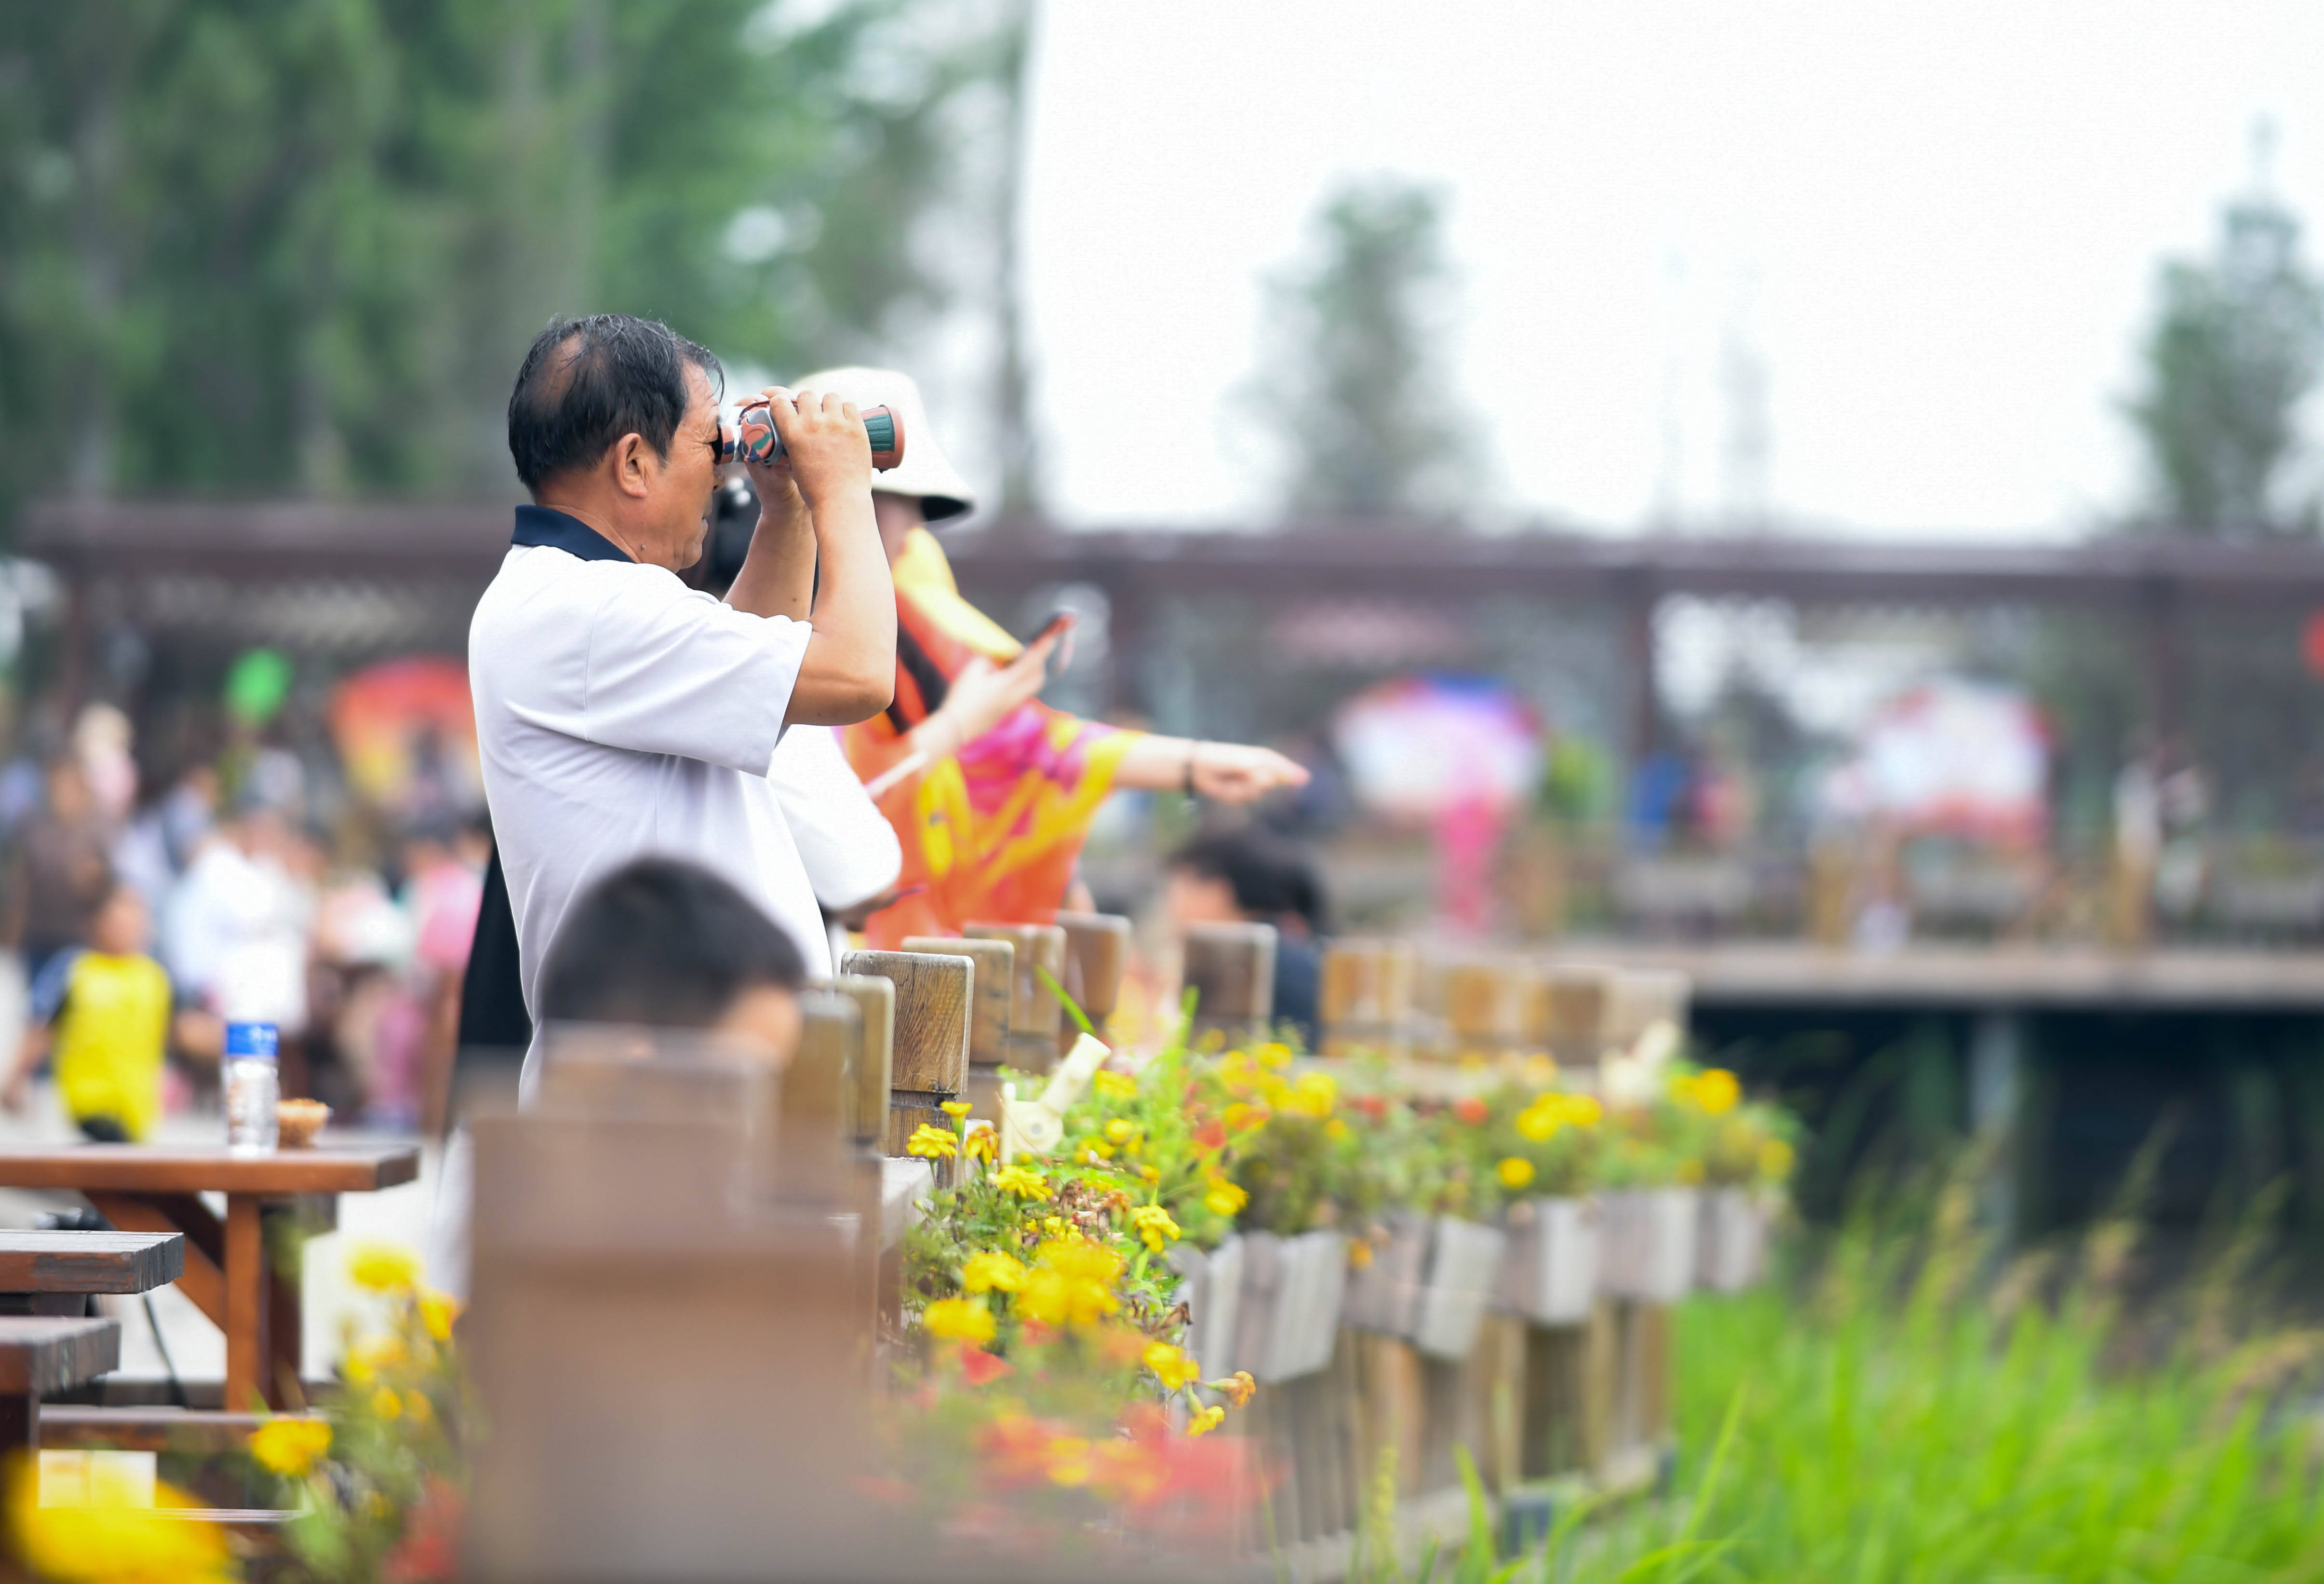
[408, 573]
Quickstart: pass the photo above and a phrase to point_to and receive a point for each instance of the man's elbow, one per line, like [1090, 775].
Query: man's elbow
[843, 699]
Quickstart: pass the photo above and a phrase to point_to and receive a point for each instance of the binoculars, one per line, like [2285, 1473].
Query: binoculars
[751, 437]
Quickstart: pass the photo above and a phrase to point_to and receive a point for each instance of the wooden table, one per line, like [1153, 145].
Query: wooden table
[56, 1273]
[40, 1354]
[228, 1272]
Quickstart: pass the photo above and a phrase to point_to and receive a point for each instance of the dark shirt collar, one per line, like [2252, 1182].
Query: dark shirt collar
[547, 525]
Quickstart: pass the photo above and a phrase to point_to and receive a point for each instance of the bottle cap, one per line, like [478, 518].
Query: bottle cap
[260, 1040]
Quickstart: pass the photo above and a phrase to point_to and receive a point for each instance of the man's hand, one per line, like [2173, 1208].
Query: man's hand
[826, 455]
[983, 695]
[14, 1094]
[1238, 773]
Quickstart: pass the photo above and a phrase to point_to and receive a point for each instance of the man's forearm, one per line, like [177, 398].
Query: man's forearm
[849, 673]
[777, 575]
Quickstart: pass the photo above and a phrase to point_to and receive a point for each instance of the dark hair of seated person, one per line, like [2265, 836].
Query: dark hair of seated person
[1272, 881]
[663, 944]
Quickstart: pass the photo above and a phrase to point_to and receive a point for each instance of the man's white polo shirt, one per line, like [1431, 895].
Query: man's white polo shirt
[620, 713]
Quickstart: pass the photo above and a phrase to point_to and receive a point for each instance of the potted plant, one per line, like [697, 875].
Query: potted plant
[1547, 1145]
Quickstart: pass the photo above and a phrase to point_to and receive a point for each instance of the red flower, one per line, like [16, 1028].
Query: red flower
[1212, 1134]
[1469, 1108]
[431, 1546]
[981, 1368]
[1374, 1106]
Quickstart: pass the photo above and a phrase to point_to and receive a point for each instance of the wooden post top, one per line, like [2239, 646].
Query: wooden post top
[929, 1051]
[91, 1261]
[1232, 969]
[1034, 1012]
[1366, 982]
[992, 997]
[40, 1354]
[875, 999]
[1099, 946]
[148, 1169]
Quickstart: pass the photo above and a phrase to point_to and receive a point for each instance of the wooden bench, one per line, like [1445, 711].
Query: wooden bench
[40, 1354]
[57, 1273]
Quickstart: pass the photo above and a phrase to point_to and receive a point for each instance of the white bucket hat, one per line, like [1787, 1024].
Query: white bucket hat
[925, 472]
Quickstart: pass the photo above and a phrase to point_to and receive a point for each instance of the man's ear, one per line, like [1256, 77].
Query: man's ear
[635, 465]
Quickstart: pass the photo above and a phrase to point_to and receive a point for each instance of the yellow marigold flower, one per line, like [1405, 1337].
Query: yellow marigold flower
[1775, 1158]
[367, 1359]
[1022, 1182]
[290, 1446]
[1225, 1198]
[113, 1542]
[1242, 1115]
[955, 1109]
[1171, 1365]
[1054, 1227]
[1690, 1173]
[1541, 1120]
[958, 1320]
[1114, 1086]
[1236, 1388]
[437, 1310]
[991, 1272]
[1335, 1130]
[386, 1404]
[932, 1144]
[1514, 1172]
[1717, 1092]
[1154, 1224]
[981, 1143]
[1121, 1130]
[1053, 1297]
[1360, 1252]
[1069, 1460]
[1314, 1095]
[1207, 1420]
[1078, 1256]
[1274, 1054]
[1583, 1110]
[1150, 1174]
[383, 1269]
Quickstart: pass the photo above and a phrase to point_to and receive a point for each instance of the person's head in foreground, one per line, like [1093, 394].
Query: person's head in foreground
[614, 420]
[662, 944]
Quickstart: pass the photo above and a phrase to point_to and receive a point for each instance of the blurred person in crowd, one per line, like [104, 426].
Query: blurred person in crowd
[102, 738]
[990, 792]
[162, 839]
[103, 1011]
[1245, 876]
[63, 868]
[663, 944]
[621, 713]
[236, 934]
[443, 891]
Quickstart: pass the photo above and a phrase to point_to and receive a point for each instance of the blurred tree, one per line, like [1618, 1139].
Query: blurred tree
[2236, 346]
[1358, 382]
[259, 245]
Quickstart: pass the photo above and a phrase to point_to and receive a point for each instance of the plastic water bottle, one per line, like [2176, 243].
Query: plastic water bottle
[252, 1088]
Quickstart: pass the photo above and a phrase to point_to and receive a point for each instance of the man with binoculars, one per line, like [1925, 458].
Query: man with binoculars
[618, 711]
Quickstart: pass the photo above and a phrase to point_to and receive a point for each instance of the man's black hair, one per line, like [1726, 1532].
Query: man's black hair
[1269, 879]
[588, 381]
[664, 944]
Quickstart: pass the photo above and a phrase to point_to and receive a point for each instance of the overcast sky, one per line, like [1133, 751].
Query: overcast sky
[1935, 228]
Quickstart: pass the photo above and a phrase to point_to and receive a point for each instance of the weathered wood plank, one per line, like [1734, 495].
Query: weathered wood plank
[90, 1262]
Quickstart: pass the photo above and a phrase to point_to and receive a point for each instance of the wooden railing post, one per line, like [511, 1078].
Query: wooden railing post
[929, 1049]
[1034, 1013]
[1230, 968]
[1097, 951]
[991, 1002]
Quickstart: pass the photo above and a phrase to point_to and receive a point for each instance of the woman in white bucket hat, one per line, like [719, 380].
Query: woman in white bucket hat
[990, 792]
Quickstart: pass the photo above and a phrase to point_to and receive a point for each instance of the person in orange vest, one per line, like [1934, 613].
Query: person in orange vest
[990, 792]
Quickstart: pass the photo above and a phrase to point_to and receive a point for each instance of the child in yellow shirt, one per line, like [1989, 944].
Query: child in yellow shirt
[103, 1011]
